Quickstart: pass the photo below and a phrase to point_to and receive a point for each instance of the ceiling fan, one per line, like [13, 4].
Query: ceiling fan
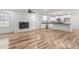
[30, 11]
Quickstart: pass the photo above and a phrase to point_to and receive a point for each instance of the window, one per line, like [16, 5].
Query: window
[44, 18]
[52, 18]
[4, 20]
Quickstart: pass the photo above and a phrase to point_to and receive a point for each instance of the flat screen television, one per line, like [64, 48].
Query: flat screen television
[23, 25]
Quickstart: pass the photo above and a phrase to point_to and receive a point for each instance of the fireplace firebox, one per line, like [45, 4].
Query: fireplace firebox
[23, 25]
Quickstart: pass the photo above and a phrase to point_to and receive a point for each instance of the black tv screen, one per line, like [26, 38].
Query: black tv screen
[23, 25]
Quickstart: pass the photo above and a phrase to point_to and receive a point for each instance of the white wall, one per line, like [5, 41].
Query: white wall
[75, 20]
[16, 17]
[10, 19]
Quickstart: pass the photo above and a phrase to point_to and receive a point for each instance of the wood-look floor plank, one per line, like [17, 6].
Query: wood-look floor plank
[45, 39]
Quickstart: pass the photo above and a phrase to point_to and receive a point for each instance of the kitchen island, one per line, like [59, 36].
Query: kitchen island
[58, 26]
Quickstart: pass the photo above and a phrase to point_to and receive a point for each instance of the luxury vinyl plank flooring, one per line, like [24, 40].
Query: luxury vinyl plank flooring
[44, 39]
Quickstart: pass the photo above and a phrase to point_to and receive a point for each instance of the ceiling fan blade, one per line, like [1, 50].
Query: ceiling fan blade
[30, 11]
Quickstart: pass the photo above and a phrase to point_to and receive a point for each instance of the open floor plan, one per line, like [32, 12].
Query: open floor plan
[39, 29]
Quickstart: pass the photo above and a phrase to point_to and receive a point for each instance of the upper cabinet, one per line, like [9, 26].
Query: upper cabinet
[67, 19]
[60, 18]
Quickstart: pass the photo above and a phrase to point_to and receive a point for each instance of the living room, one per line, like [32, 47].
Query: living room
[41, 26]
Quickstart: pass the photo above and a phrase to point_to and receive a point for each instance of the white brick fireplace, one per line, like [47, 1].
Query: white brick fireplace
[33, 21]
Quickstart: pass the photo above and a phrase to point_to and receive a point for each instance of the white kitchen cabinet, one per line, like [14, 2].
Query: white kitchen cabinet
[50, 26]
[63, 27]
[43, 25]
[60, 22]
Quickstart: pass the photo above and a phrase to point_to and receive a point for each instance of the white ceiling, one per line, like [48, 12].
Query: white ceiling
[50, 12]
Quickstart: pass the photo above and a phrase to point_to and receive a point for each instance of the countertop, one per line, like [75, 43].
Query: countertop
[56, 23]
